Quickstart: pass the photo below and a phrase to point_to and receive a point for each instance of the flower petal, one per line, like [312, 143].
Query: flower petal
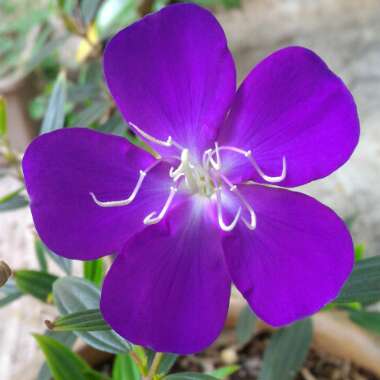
[295, 261]
[292, 105]
[169, 289]
[172, 74]
[61, 168]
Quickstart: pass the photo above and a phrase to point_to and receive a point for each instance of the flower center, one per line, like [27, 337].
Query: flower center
[206, 179]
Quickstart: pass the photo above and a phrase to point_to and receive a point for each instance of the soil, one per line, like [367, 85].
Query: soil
[318, 365]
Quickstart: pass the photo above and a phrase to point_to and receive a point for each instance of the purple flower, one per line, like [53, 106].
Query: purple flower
[203, 213]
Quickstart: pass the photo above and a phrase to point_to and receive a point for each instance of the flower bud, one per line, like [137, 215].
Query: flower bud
[5, 273]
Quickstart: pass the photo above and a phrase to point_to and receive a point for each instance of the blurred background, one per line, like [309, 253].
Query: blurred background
[42, 40]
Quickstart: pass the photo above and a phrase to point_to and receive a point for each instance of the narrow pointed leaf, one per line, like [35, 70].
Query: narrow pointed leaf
[40, 253]
[224, 372]
[3, 118]
[287, 352]
[124, 368]
[190, 376]
[369, 320]
[9, 293]
[38, 284]
[63, 363]
[72, 295]
[88, 320]
[55, 114]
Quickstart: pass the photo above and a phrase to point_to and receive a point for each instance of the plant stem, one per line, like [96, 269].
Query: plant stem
[137, 361]
[155, 365]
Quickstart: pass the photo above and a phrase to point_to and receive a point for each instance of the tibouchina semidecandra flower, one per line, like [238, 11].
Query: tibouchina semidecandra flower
[208, 210]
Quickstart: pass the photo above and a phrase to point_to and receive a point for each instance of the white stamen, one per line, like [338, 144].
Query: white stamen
[125, 202]
[222, 224]
[122, 202]
[248, 155]
[151, 218]
[168, 143]
[233, 188]
[216, 164]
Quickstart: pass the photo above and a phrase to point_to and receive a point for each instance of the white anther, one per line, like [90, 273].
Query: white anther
[123, 202]
[151, 218]
[225, 227]
[251, 224]
[168, 143]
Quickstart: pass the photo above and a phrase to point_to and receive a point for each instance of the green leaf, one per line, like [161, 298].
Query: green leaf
[62, 262]
[190, 376]
[63, 363]
[13, 201]
[370, 320]
[3, 118]
[124, 368]
[363, 284]
[245, 326]
[224, 372]
[72, 295]
[37, 284]
[40, 253]
[88, 9]
[287, 352]
[166, 363]
[55, 114]
[9, 293]
[67, 339]
[88, 320]
[94, 271]
[359, 252]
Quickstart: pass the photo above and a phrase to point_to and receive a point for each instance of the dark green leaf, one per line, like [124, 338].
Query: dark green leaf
[88, 320]
[55, 114]
[66, 338]
[94, 271]
[73, 295]
[245, 326]
[40, 253]
[124, 368]
[37, 284]
[286, 352]
[370, 320]
[63, 363]
[224, 372]
[363, 284]
[190, 376]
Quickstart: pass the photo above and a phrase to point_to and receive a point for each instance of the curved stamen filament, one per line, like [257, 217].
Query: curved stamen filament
[127, 201]
[248, 155]
[151, 218]
[233, 188]
[225, 227]
[168, 143]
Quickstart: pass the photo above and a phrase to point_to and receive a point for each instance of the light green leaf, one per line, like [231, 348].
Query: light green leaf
[62, 262]
[124, 368]
[287, 352]
[55, 114]
[9, 293]
[245, 326]
[88, 9]
[166, 363]
[88, 320]
[72, 295]
[3, 118]
[359, 252]
[38, 284]
[363, 284]
[63, 363]
[224, 372]
[13, 201]
[94, 271]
